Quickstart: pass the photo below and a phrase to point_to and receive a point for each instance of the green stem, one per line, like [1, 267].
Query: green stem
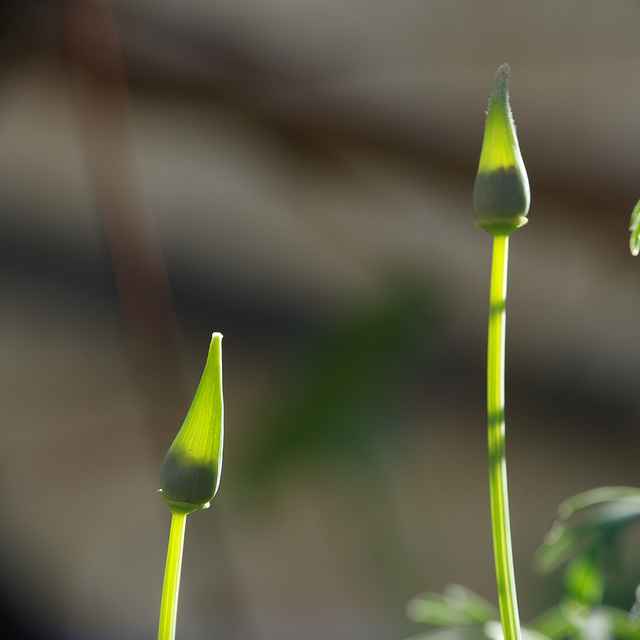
[497, 461]
[171, 585]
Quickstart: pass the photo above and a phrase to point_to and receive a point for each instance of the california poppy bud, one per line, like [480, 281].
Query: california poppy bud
[501, 194]
[190, 473]
[634, 227]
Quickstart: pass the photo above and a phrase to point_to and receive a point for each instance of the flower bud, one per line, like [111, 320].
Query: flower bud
[634, 227]
[190, 473]
[501, 193]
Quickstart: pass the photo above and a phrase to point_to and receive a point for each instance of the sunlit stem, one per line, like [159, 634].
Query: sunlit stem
[497, 461]
[171, 585]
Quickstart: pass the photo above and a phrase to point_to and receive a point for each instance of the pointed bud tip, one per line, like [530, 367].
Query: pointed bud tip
[501, 82]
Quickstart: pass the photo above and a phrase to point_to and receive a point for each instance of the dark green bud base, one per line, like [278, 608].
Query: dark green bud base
[501, 200]
[186, 486]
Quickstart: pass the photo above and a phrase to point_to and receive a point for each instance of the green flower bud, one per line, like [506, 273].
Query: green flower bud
[634, 227]
[501, 193]
[190, 473]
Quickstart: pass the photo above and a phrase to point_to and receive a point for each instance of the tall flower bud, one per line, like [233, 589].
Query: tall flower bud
[501, 194]
[634, 227]
[190, 473]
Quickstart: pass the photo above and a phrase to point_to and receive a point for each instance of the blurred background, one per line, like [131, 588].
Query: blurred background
[298, 175]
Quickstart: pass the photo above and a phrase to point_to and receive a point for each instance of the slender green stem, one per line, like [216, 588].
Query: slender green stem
[497, 461]
[171, 585]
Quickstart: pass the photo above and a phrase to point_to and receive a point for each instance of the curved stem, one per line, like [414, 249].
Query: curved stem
[497, 462]
[171, 585]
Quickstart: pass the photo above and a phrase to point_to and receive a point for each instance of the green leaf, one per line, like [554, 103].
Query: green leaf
[190, 473]
[457, 607]
[465, 616]
[466, 633]
[346, 395]
[574, 620]
[553, 624]
[598, 623]
[584, 580]
[586, 523]
[493, 631]
[473, 606]
[597, 496]
[625, 627]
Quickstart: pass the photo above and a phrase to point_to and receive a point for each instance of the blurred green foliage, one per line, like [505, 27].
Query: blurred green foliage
[587, 538]
[344, 402]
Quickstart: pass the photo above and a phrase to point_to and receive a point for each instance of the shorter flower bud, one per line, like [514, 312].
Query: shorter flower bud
[190, 473]
[501, 194]
[634, 227]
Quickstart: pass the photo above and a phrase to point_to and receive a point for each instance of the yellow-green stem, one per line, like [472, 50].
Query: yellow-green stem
[496, 427]
[171, 585]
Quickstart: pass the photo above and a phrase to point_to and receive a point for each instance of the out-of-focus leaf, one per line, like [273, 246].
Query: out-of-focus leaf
[625, 627]
[532, 634]
[595, 624]
[553, 624]
[465, 633]
[559, 545]
[345, 398]
[471, 603]
[433, 609]
[601, 623]
[457, 607]
[493, 631]
[584, 580]
[587, 522]
[467, 615]
[596, 496]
